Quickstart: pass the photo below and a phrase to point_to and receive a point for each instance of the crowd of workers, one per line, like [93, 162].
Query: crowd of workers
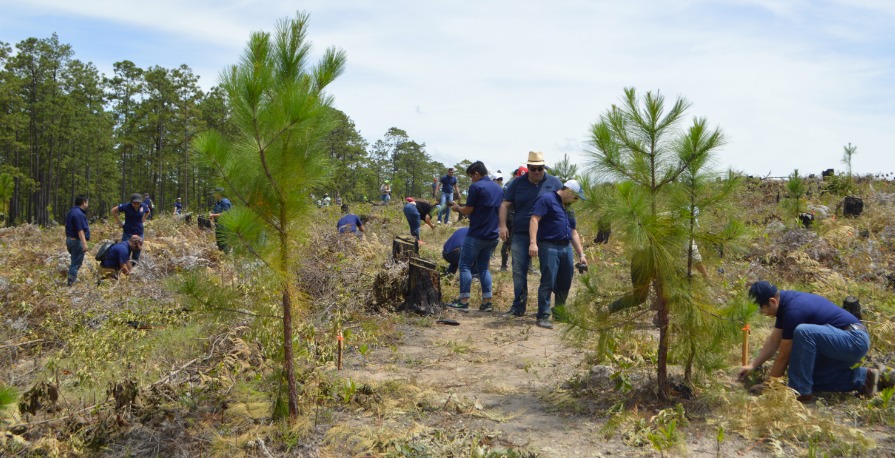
[817, 344]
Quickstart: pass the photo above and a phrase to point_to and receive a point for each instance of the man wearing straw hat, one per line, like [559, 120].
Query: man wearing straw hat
[521, 194]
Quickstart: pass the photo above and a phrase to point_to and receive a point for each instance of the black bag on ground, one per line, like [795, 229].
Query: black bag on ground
[103, 249]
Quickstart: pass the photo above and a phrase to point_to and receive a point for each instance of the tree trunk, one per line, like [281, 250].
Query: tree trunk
[662, 363]
[288, 366]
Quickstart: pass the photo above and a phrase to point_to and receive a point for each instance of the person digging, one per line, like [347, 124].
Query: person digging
[817, 343]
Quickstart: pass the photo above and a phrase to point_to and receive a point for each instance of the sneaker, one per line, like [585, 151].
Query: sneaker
[544, 323]
[438, 222]
[486, 307]
[886, 378]
[514, 312]
[448, 222]
[459, 305]
[871, 383]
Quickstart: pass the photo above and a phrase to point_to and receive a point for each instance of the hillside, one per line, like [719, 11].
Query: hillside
[182, 358]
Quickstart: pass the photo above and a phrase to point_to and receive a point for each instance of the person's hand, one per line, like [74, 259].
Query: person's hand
[120, 224]
[84, 245]
[744, 372]
[533, 250]
[504, 233]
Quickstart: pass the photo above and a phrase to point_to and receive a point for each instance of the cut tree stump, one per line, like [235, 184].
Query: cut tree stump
[404, 248]
[423, 288]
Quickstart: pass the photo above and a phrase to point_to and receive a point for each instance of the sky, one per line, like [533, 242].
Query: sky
[789, 83]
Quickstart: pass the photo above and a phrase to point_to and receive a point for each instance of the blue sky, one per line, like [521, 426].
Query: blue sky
[790, 83]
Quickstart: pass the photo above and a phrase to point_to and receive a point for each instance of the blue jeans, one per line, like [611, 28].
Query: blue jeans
[386, 198]
[413, 219]
[135, 255]
[557, 267]
[77, 258]
[476, 252]
[822, 358]
[521, 262]
[445, 209]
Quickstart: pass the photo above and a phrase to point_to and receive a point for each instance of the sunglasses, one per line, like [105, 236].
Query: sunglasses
[535, 168]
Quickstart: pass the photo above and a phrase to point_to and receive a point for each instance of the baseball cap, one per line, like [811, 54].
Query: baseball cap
[575, 186]
[762, 291]
[409, 199]
[136, 197]
[498, 176]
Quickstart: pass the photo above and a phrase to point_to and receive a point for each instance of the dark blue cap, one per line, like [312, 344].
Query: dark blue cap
[762, 291]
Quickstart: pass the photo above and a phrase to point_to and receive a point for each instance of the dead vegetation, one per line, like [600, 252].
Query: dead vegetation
[180, 358]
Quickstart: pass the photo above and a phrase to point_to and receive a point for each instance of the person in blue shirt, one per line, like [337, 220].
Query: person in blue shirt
[417, 212]
[552, 235]
[117, 259]
[147, 202]
[520, 194]
[135, 214]
[448, 182]
[350, 223]
[178, 207]
[450, 252]
[221, 205]
[482, 207]
[820, 343]
[77, 233]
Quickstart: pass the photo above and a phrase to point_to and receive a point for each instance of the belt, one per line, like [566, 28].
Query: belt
[855, 327]
[73, 238]
[555, 242]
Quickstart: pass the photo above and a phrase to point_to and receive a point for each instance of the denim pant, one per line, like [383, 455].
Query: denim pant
[135, 255]
[445, 209]
[822, 358]
[521, 262]
[476, 253]
[386, 198]
[557, 267]
[413, 219]
[77, 258]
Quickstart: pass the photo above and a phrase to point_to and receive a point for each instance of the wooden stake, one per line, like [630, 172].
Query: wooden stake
[340, 338]
[746, 344]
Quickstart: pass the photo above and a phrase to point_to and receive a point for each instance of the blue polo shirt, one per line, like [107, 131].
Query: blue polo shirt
[485, 196]
[805, 308]
[556, 223]
[76, 220]
[118, 255]
[133, 219]
[522, 194]
[447, 183]
[349, 223]
[222, 205]
[455, 240]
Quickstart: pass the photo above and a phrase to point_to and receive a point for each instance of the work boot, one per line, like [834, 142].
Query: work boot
[544, 323]
[871, 383]
[806, 398]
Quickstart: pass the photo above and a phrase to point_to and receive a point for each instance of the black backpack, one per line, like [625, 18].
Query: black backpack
[103, 249]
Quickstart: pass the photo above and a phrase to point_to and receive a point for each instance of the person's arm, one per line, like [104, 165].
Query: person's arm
[782, 361]
[115, 215]
[771, 344]
[502, 215]
[83, 239]
[579, 249]
[533, 236]
[126, 268]
[146, 214]
[465, 209]
[428, 220]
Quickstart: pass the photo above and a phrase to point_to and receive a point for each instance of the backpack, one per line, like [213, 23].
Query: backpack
[103, 249]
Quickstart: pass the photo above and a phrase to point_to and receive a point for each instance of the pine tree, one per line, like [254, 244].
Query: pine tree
[639, 145]
[277, 154]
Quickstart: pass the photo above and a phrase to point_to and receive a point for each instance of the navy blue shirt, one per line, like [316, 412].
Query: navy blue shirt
[222, 205]
[133, 219]
[485, 196]
[455, 240]
[117, 256]
[522, 194]
[805, 308]
[556, 223]
[178, 208]
[76, 220]
[447, 183]
[349, 223]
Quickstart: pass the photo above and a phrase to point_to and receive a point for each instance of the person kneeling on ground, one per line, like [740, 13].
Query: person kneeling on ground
[349, 223]
[118, 257]
[819, 342]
